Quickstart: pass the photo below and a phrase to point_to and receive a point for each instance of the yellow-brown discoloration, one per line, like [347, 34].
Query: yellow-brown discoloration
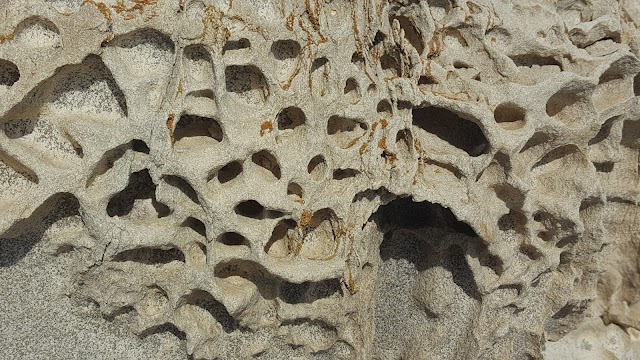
[266, 127]
[305, 218]
[4, 38]
[170, 120]
[104, 9]
[289, 22]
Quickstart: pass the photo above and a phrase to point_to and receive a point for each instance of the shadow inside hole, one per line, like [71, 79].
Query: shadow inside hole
[140, 187]
[19, 239]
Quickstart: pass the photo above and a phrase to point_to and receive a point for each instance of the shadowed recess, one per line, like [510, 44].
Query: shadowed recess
[182, 185]
[192, 126]
[452, 128]
[236, 45]
[195, 225]
[317, 167]
[253, 209]
[140, 187]
[280, 237]
[16, 241]
[267, 161]
[290, 118]
[150, 255]
[345, 131]
[407, 214]
[164, 328]
[206, 301]
[111, 156]
[410, 32]
[309, 291]
[509, 116]
[285, 49]
[247, 81]
[9, 73]
[229, 172]
[233, 239]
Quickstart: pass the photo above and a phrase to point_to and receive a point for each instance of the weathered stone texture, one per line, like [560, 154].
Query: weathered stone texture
[320, 179]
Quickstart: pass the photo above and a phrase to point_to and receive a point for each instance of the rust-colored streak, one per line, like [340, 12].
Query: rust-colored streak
[289, 22]
[101, 7]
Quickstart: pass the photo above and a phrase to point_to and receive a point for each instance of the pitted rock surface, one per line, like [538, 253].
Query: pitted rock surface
[320, 179]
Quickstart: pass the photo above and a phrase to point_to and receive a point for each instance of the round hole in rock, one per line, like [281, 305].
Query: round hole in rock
[267, 161]
[290, 118]
[250, 208]
[232, 239]
[229, 172]
[384, 108]
[9, 73]
[294, 191]
[509, 116]
[285, 49]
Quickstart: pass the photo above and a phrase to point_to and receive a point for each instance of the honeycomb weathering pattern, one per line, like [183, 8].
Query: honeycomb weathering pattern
[338, 179]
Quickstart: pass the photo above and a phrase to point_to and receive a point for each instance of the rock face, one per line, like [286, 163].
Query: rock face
[320, 179]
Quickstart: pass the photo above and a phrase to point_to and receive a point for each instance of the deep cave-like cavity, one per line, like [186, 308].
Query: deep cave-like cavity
[423, 272]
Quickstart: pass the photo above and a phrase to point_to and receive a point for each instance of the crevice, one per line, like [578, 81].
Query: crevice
[538, 138]
[604, 131]
[531, 60]
[452, 169]
[6, 178]
[557, 154]
[150, 255]
[410, 32]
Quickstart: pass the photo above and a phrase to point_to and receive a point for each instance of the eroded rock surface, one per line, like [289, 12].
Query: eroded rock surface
[320, 179]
